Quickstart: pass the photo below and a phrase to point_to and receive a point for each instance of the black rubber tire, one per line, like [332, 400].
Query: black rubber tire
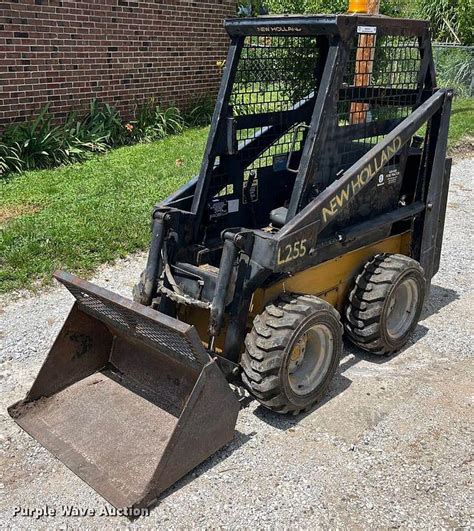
[138, 291]
[368, 308]
[269, 344]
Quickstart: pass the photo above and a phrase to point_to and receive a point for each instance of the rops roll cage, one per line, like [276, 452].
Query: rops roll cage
[296, 245]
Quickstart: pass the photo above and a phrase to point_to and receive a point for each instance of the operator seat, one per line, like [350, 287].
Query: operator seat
[278, 216]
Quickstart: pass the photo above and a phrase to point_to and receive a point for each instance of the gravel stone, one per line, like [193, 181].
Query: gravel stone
[390, 446]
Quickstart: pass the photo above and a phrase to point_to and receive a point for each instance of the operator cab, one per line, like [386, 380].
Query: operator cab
[284, 80]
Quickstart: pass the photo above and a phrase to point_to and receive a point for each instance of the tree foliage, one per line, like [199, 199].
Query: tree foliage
[451, 20]
[388, 7]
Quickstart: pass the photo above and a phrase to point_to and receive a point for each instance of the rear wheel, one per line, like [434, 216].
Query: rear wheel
[292, 353]
[385, 303]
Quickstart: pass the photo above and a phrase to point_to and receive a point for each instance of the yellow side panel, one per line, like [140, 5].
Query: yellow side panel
[331, 280]
[199, 318]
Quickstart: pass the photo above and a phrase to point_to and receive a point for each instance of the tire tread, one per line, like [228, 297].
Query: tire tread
[265, 347]
[372, 286]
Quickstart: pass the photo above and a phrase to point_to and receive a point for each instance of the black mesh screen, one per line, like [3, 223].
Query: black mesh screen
[272, 98]
[134, 324]
[380, 89]
[387, 62]
[275, 75]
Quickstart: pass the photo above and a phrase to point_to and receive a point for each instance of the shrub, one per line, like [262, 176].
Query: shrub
[137, 128]
[454, 68]
[200, 112]
[387, 7]
[41, 143]
[165, 122]
[152, 122]
[451, 20]
[102, 124]
[251, 8]
[10, 159]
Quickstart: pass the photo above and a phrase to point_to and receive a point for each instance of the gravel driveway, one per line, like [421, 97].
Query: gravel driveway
[391, 446]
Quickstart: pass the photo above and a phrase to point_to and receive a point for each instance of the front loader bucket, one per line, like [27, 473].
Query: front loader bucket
[127, 398]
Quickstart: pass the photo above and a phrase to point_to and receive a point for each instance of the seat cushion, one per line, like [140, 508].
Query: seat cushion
[278, 216]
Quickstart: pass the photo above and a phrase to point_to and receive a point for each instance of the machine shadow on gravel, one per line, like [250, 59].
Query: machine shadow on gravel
[438, 299]
[340, 384]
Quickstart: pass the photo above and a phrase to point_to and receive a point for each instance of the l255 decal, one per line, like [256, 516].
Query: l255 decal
[292, 251]
[295, 247]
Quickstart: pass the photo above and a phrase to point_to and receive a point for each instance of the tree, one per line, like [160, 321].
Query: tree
[251, 8]
[451, 20]
[387, 7]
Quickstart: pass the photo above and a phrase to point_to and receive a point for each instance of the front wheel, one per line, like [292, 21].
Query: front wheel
[292, 353]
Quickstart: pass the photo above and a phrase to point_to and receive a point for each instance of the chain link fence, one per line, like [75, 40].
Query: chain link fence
[455, 68]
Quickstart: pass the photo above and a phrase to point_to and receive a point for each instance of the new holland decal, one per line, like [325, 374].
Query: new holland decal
[279, 29]
[340, 199]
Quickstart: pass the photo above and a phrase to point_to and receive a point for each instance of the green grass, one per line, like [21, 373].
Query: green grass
[78, 217]
[462, 121]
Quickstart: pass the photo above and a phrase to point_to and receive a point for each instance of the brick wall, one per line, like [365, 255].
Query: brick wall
[120, 51]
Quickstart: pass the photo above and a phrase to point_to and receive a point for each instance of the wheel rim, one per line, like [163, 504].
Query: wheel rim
[402, 306]
[310, 359]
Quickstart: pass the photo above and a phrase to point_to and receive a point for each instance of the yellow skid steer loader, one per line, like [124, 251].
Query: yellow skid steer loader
[322, 194]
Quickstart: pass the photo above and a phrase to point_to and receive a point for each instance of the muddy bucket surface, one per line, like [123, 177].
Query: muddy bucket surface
[128, 398]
